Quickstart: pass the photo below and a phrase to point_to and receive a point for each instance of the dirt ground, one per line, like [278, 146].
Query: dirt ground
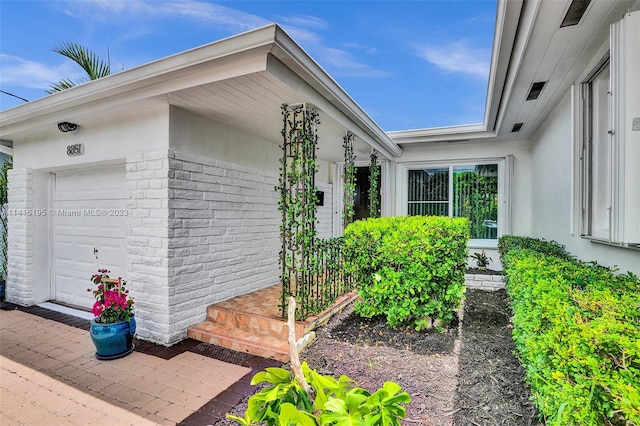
[466, 375]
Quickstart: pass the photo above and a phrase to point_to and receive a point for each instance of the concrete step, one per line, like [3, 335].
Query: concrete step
[255, 323]
[240, 340]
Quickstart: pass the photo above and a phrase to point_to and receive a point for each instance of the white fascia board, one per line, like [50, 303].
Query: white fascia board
[294, 57]
[164, 75]
[515, 57]
[6, 150]
[442, 134]
[507, 20]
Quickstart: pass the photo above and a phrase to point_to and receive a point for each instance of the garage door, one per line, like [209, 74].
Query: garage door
[89, 230]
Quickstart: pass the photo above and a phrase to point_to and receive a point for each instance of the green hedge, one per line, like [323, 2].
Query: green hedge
[410, 269]
[577, 334]
[507, 243]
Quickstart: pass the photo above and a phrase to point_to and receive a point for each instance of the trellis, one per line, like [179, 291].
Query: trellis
[349, 177]
[298, 199]
[374, 182]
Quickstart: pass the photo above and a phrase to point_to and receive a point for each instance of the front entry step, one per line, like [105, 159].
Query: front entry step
[240, 340]
[251, 323]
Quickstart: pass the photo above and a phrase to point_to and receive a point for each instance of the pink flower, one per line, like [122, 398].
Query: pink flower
[112, 304]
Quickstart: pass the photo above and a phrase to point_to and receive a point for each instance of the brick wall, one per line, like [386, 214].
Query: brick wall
[148, 243]
[485, 282]
[20, 272]
[223, 235]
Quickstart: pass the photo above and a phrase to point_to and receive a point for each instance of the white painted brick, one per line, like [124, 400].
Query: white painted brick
[192, 167]
[20, 246]
[156, 155]
[187, 194]
[134, 176]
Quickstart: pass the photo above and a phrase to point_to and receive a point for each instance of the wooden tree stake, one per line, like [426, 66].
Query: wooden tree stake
[293, 351]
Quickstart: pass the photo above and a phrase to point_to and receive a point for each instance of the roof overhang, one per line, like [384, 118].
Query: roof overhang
[508, 19]
[530, 46]
[240, 81]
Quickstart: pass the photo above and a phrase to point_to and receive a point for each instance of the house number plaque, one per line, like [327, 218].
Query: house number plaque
[74, 150]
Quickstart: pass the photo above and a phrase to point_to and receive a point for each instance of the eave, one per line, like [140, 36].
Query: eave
[233, 62]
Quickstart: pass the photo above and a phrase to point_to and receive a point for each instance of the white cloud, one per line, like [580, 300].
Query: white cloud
[457, 57]
[305, 21]
[303, 28]
[206, 12]
[22, 72]
[348, 64]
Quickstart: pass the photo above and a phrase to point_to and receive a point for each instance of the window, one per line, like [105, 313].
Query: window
[457, 190]
[608, 141]
[597, 154]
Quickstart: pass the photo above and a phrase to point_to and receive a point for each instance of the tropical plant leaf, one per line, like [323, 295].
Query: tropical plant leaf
[290, 415]
[92, 65]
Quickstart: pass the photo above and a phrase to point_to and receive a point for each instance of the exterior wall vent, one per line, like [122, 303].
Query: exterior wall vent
[575, 12]
[535, 90]
[516, 127]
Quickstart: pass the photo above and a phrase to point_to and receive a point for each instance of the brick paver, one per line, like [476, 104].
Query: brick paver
[49, 375]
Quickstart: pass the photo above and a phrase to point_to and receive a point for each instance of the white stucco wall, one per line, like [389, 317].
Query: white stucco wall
[197, 135]
[106, 141]
[553, 192]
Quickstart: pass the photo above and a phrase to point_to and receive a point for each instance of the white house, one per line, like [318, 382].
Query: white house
[562, 123]
[168, 179]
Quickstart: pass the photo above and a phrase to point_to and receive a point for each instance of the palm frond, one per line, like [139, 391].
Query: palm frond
[89, 61]
[63, 85]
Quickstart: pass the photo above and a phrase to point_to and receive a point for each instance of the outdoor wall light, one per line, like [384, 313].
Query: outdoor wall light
[65, 127]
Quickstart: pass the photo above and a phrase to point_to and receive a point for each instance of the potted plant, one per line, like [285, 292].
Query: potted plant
[114, 325]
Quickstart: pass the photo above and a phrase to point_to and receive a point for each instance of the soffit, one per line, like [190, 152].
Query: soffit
[558, 56]
[253, 102]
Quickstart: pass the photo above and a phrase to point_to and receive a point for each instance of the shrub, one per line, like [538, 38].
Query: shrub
[410, 269]
[284, 401]
[577, 334]
[507, 243]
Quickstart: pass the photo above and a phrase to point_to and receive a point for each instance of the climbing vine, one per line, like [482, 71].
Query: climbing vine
[349, 177]
[298, 199]
[4, 171]
[374, 185]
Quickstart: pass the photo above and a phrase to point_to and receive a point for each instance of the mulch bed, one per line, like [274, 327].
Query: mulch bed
[466, 375]
[490, 388]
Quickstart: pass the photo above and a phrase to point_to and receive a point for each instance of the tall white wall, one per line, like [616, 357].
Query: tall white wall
[200, 136]
[553, 192]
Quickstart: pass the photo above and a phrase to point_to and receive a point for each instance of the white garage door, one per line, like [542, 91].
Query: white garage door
[89, 230]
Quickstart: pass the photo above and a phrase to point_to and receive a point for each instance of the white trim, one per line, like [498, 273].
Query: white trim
[6, 150]
[67, 310]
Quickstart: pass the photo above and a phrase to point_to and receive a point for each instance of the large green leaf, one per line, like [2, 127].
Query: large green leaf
[386, 405]
[345, 412]
[290, 415]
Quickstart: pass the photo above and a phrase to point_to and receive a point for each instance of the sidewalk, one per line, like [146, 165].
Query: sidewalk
[49, 375]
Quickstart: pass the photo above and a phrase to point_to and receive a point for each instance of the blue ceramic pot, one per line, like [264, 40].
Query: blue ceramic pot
[113, 341]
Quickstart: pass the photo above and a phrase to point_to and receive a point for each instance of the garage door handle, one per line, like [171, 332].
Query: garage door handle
[95, 252]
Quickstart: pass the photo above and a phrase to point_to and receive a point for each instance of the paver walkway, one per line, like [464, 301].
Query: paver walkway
[49, 375]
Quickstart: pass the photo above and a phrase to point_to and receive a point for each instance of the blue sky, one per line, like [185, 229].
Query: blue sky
[409, 64]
